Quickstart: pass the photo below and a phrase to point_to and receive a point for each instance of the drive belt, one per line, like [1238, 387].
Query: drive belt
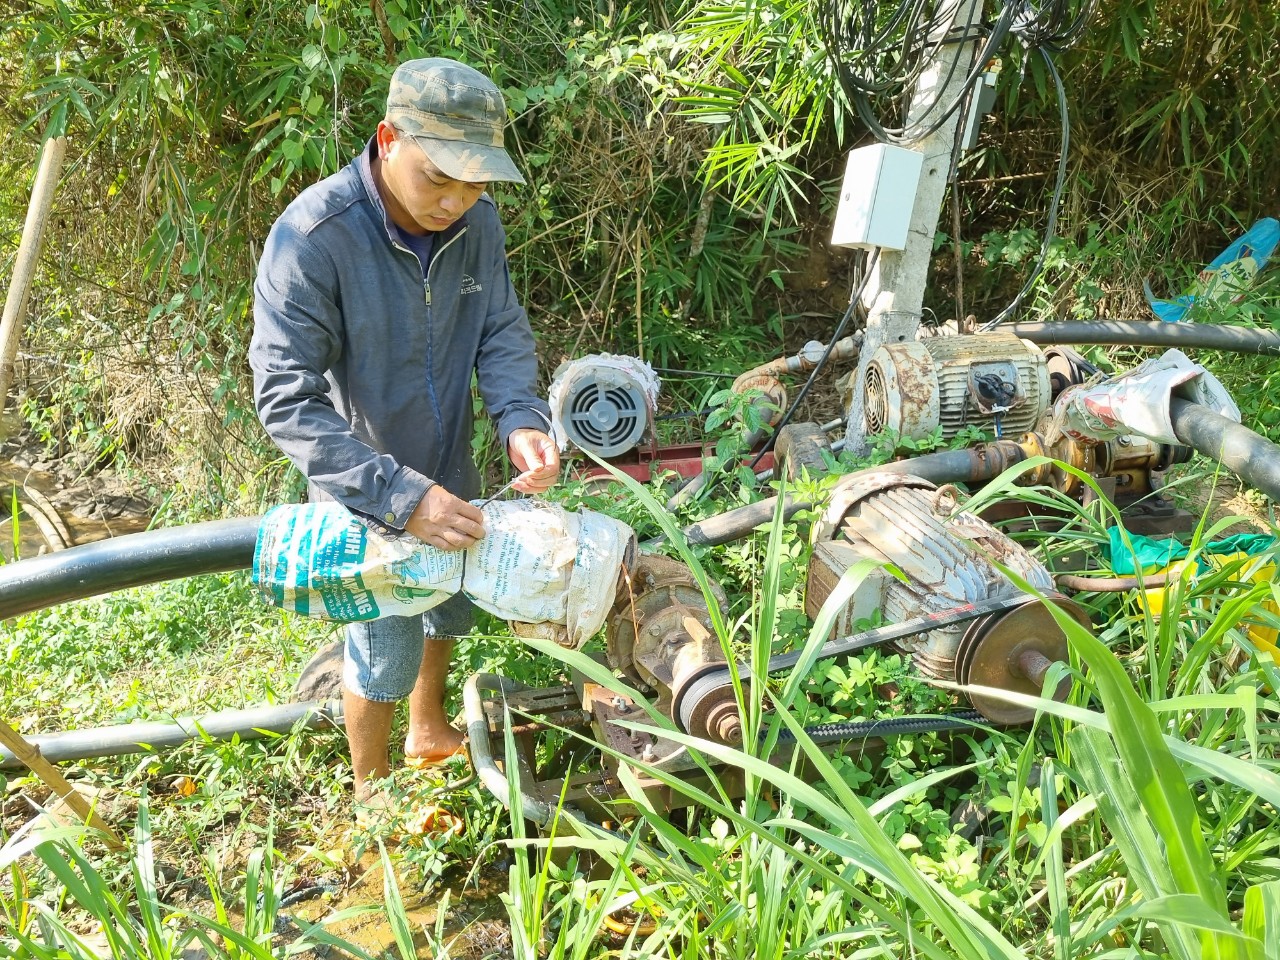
[715, 678]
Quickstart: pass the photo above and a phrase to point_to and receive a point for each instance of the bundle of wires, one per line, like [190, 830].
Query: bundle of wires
[879, 51]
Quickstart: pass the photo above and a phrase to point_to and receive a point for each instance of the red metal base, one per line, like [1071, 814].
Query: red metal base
[645, 462]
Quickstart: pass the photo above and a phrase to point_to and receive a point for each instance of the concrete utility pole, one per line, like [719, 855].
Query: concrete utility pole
[894, 294]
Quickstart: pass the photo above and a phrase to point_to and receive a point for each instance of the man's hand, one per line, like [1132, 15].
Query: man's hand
[534, 454]
[445, 521]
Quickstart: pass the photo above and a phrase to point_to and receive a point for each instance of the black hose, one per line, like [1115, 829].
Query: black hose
[889, 727]
[737, 523]
[1254, 459]
[129, 561]
[974, 465]
[1138, 333]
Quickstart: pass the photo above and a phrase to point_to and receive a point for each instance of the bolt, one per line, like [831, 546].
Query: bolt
[620, 704]
[724, 723]
[729, 729]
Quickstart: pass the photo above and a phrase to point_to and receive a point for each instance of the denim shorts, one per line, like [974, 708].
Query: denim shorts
[383, 656]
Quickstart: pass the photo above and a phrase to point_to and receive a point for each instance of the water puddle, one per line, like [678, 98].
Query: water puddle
[88, 509]
[474, 925]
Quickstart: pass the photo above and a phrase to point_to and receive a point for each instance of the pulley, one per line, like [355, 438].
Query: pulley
[1014, 651]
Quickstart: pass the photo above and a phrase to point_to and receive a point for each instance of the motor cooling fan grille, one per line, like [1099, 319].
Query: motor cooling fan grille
[875, 401]
[606, 419]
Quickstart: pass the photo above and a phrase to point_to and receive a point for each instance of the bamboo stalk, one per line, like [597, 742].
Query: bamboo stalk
[56, 782]
[24, 265]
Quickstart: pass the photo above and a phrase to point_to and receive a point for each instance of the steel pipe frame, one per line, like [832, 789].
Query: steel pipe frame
[249, 724]
[486, 767]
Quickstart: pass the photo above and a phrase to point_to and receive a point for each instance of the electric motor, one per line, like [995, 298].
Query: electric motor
[603, 404]
[996, 382]
[948, 558]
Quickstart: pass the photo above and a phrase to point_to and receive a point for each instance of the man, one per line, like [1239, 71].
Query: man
[380, 291]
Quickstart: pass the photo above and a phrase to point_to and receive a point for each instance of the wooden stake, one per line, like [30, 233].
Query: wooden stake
[56, 782]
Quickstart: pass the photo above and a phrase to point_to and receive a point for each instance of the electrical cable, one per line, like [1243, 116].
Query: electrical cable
[1060, 183]
[837, 731]
[822, 361]
[886, 63]
[672, 371]
[879, 52]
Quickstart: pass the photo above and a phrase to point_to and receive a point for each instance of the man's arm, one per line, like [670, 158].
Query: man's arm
[297, 336]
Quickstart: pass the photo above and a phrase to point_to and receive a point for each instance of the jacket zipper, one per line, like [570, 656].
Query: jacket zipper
[431, 385]
[435, 255]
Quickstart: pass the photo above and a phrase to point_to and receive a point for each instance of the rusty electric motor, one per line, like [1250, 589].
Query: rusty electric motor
[949, 558]
[995, 381]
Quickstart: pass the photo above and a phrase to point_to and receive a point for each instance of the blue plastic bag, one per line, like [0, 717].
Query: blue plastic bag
[1228, 277]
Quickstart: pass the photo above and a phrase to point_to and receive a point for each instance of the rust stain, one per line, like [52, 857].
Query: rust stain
[915, 383]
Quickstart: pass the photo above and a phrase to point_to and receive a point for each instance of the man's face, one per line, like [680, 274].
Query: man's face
[420, 190]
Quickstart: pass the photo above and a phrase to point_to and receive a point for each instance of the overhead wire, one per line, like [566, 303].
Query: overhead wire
[878, 66]
[880, 51]
[854, 299]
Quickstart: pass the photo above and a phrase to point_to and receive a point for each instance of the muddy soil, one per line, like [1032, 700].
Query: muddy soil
[474, 925]
[77, 501]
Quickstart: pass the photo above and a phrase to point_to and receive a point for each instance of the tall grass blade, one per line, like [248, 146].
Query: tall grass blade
[1208, 763]
[1262, 916]
[867, 845]
[1100, 768]
[1188, 911]
[397, 917]
[1055, 869]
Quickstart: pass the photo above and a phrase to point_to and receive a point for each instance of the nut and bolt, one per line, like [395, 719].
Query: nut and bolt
[724, 723]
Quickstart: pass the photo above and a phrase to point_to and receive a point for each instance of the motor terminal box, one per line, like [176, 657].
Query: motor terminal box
[877, 197]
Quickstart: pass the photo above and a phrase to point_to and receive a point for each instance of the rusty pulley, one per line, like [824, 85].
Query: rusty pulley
[1013, 651]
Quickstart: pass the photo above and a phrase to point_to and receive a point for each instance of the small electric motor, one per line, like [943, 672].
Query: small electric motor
[603, 403]
[996, 382]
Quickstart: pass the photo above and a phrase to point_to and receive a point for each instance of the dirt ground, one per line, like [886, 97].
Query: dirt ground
[62, 502]
[1196, 487]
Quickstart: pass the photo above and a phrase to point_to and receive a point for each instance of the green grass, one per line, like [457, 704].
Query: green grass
[1137, 819]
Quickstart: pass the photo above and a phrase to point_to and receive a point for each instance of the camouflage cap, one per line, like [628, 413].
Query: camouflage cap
[455, 114]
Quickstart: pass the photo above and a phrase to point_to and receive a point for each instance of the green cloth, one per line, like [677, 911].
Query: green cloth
[1152, 553]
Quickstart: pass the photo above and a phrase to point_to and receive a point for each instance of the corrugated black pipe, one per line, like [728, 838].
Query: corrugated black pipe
[129, 561]
[1138, 333]
[1254, 459]
[249, 724]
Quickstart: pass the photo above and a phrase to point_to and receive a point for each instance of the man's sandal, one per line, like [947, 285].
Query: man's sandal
[426, 763]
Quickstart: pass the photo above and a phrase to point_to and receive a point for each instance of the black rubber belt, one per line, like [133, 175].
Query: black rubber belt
[714, 678]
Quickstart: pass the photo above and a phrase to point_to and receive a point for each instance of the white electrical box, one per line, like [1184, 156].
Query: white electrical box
[877, 197]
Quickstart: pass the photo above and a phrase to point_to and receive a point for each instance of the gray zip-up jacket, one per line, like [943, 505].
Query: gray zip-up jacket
[362, 370]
